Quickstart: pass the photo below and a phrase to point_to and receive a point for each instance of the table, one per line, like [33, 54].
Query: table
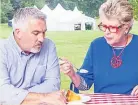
[111, 99]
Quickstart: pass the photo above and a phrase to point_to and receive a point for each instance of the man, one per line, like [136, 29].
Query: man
[29, 69]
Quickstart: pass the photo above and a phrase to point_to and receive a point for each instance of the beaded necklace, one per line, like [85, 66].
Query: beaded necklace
[116, 60]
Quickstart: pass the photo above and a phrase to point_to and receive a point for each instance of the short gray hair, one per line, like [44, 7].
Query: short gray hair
[120, 9]
[23, 14]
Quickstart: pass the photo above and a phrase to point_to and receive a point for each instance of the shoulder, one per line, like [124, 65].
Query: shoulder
[98, 41]
[135, 36]
[3, 48]
[134, 40]
[48, 44]
[3, 44]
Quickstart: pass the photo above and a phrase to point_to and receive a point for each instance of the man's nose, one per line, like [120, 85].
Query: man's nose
[41, 37]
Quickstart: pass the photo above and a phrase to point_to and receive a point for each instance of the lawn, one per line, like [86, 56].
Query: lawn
[72, 45]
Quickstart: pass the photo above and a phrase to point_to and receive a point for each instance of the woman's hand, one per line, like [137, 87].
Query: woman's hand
[66, 67]
[135, 91]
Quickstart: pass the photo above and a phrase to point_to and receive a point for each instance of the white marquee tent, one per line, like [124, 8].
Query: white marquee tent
[46, 10]
[35, 6]
[60, 19]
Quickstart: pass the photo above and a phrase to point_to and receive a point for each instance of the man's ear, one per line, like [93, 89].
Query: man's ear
[17, 33]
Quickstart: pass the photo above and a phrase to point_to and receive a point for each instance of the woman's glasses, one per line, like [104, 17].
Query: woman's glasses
[112, 29]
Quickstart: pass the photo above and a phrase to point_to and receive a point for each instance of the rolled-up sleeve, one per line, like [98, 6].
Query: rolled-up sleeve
[9, 95]
[52, 78]
[82, 86]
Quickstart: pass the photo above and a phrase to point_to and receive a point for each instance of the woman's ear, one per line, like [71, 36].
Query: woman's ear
[130, 25]
[128, 28]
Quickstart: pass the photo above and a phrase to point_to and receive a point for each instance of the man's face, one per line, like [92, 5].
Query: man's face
[32, 36]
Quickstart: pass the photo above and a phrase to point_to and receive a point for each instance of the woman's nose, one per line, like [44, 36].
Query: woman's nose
[107, 30]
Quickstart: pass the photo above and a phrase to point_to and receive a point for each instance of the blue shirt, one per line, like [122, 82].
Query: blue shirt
[107, 79]
[21, 73]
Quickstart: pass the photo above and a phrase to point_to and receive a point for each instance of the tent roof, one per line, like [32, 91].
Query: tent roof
[59, 8]
[76, 9]
[46, 10]
[35, 6]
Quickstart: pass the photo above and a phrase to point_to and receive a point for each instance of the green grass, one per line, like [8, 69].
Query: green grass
[72, 45]
[4, 31]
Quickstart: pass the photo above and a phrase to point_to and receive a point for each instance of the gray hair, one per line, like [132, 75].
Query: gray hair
[117, 9]
[21, 16]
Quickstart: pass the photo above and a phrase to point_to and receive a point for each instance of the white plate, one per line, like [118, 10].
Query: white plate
[83, 99]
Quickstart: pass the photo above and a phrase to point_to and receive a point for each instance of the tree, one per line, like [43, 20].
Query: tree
[135, 8]
[89, 7]
[27, 3]
[52, 3]
[6, 9]
[40, 3]
[68, 5]
[15, 4]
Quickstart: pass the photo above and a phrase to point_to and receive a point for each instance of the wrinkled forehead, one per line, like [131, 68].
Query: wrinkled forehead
[109, 21]
[35, 24]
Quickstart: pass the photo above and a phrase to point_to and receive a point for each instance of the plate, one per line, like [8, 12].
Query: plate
[83, 99]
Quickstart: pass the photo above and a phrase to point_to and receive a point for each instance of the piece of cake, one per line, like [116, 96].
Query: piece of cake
[71, 96]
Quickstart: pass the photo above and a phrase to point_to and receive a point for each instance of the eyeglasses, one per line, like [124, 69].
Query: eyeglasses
[112, 29]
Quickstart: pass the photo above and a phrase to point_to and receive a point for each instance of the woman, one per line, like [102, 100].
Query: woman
[111, 60]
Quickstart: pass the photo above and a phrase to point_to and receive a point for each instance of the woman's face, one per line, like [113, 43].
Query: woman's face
[114, 32]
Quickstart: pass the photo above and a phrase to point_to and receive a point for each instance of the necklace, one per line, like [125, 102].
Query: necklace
[116, 61]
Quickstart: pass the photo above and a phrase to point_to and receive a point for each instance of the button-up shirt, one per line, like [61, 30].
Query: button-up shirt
[21, 73]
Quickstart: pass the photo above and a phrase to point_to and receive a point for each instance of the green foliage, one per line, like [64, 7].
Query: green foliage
[40, 3]
[52, 3]
[31, 3]
[68, 5]
[6, 9]
[135, 8]
[27, 3]
[15, 4]
[88, 7]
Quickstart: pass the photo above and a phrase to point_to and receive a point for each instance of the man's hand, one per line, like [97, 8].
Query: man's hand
[135, 91]
[55, 98]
